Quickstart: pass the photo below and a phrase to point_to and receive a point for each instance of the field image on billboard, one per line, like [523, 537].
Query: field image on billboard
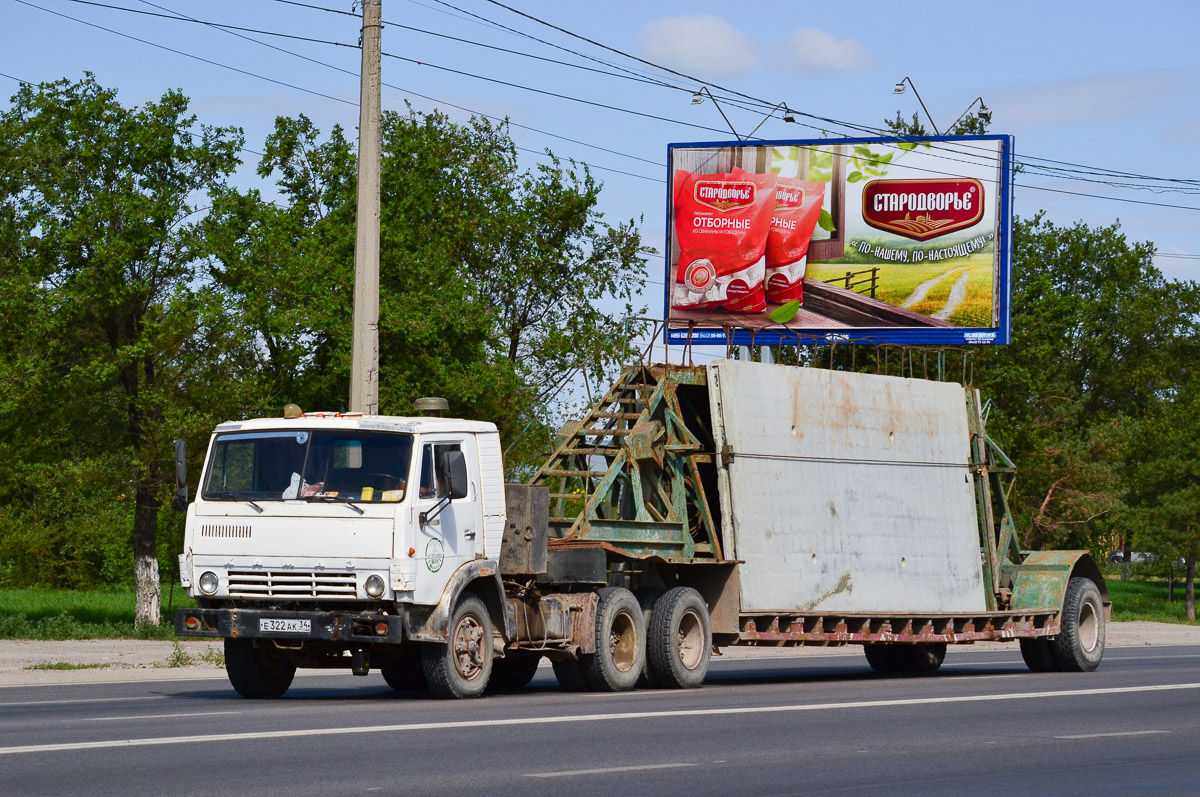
[888, 240]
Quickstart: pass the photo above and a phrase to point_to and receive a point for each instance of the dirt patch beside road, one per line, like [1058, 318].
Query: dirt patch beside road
[139, 660]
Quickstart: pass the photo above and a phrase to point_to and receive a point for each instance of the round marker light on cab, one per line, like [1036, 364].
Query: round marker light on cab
[412, 551]
[291, 411]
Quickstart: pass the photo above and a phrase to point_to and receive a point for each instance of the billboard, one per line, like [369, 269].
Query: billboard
[886, 240]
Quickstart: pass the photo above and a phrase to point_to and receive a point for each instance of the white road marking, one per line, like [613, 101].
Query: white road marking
[154, 716]
[72, 701]
[1106, 735]
[555, 720]
[604, 771]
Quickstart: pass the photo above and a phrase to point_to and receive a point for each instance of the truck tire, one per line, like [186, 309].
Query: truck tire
[646, 598]
[884, 658]
[1038, 655]
[514, 672]
[569, 673]
[461, 667]
[257, 673]
[620, 643]
[408, 675]
[1079, 645]
[925, 657]
[679, 639]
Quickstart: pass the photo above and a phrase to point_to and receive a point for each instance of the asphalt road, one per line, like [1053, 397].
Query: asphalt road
[818, 725]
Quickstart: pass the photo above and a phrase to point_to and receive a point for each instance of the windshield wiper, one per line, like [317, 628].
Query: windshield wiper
[234, 497]
[339, 499]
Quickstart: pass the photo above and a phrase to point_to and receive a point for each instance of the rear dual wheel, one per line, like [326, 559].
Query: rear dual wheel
[679, 639]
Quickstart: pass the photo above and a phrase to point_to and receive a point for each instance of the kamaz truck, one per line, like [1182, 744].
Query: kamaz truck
[693, 508]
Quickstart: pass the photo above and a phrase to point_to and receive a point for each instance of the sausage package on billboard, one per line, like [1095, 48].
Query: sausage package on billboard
[797, 209]
[721, 224]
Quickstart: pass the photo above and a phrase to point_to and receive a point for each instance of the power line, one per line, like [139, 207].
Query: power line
[233, 30]
[300, 88]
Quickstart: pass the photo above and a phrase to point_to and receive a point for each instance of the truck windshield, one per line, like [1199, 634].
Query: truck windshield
[343, 464]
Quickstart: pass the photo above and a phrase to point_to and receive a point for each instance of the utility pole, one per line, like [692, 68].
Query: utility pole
[364, 362]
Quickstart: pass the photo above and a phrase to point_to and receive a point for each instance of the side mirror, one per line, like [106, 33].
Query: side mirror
[181, 491]
[454, 468]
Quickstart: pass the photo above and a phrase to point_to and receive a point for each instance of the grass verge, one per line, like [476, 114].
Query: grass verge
[70, 614]
[1146, 600]
[65, 665]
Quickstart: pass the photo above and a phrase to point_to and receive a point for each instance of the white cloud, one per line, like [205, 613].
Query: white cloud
[815, 50]
[1103, 98]
[702, 44]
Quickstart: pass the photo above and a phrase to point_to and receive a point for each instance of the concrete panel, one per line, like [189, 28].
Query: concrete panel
[846, 492]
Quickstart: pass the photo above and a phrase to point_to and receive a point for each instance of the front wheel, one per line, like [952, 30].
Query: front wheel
[261, 673]
[1038, 654]
[462, 666]
[1079, 645]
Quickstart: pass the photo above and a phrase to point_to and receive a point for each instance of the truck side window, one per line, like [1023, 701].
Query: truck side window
[433, 481]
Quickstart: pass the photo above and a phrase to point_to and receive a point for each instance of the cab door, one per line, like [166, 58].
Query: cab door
[452, 532]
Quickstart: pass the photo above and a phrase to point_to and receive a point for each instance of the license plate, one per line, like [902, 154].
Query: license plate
[282, 626]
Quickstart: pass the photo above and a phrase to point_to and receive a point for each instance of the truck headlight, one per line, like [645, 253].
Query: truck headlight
[208, 582]
[374, 586]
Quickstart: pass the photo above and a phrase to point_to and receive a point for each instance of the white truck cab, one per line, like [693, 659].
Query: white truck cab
[330, 526]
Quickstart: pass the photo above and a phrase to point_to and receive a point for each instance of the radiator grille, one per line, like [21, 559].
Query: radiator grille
[228, 532]
[291, 584]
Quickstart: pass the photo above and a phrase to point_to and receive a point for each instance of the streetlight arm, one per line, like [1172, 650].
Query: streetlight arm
[932, 123]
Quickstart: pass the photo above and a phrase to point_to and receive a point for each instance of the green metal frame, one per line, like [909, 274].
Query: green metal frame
[628, 474]
[1014, 579]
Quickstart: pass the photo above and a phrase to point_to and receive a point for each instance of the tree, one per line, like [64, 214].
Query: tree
[102, 300]
[1099, 336]
[493, 282]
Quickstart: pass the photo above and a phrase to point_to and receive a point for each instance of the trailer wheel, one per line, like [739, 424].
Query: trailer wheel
[924, 658]
[679, 639]
[462, 666]
[569, 673]
[620, 643]
[514, 672]
[407, 676]
[258, 673]
[884, 658]
[1079, 645]
[646, 599]
[1038, 655]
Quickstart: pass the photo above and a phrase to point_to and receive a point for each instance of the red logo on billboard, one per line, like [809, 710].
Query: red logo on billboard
[721, 195]
[922, 209]
[788, 196]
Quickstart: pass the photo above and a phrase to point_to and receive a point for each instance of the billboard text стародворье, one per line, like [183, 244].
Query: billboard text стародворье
[879, 240]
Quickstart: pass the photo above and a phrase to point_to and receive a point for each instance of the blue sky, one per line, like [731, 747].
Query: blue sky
[1105, 85]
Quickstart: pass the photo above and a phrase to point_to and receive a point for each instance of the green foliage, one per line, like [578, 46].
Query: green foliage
[104, 323]
[1145, 600]
[66, 665]
[492, 281]
[79, 614]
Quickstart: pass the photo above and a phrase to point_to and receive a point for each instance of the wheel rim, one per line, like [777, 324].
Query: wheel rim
[468, 647]
[691, 640]
[623, 642]
[1089, 626]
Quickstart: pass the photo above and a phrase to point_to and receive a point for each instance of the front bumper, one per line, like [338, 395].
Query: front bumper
[359, 627]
